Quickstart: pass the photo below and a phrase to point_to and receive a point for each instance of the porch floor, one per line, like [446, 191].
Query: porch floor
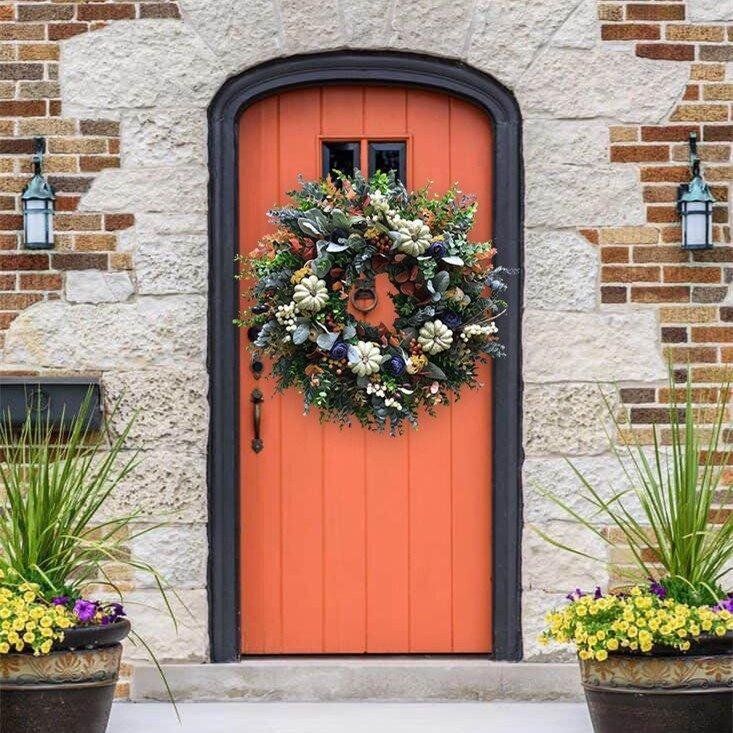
[362, 717]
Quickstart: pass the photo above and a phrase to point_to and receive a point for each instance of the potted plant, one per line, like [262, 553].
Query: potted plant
[60, 651]
[657, 655]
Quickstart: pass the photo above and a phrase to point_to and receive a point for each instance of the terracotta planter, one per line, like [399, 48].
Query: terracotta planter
[663, 691]
[70, 689]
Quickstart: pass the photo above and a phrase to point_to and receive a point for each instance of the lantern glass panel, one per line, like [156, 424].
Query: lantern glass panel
[38, 222]
[698, 224]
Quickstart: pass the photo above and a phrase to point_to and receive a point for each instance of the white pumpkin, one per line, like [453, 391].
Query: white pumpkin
[413, 237]
[310, 294]
[367, 360]
[435, 337]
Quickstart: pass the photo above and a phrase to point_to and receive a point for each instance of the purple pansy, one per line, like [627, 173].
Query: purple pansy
[451, 319]
[725, 605]
[85, 610]
[113, 612]
[575, 595]
[658, 590]
[60, 601]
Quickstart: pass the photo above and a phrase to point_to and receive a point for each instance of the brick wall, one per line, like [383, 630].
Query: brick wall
[645, 265]
[77, 149]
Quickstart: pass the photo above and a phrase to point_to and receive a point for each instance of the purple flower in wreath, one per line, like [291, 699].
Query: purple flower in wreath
[451, 319]
[395, 366]
[85, 610]
[658, 589]
[340, 350]
[437, 249]
[60, 601]
[725, 605]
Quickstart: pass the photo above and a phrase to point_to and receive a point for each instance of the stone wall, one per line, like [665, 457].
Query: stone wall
[608, 292]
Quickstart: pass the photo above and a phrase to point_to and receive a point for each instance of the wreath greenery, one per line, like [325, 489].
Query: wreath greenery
[337, 235]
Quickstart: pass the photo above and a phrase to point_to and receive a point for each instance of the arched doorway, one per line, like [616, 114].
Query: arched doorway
[443, 80]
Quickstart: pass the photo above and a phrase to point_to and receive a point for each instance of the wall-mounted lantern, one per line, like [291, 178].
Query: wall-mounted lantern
[695, 204]
[38, 197]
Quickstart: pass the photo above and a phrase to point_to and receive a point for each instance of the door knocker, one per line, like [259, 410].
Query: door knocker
[363, 296]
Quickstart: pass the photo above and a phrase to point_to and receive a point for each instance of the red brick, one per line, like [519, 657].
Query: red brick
[79, 261]
[159, 10]
[13, 72]
[105, 11]
[114, 222]
[11, 222]
[42, 12]
[99, 127]
[611, 274]
[60, 31]
[721, 133]
[659, 254]
[630, 32]
[712, 334]
[722, 53]
[98, 162]
[671, 173]
[41, 281]
[690, 354]
[639, 153]
[24, 108]
[23, 262]
[660, 194]
[613, 294]
[637, 395]
[655, 11]
[7, 282]
[692, 274]
[18, 301]
[661, 294]
[667, 133]
[709, 294]
[662, 214]
[666, 51]
[67, 203]
[692, 92]
[614, 254]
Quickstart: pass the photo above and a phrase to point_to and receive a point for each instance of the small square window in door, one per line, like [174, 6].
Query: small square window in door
[388, 156]
[340, 156]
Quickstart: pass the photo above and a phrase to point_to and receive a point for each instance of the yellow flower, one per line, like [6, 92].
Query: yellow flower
[19, 646]
[4, 647]
[646, 646]
[612, 645]
[46, 646]
[720, 630]
[601, 655]
[29, 637]
[585, 654]
[298, 275]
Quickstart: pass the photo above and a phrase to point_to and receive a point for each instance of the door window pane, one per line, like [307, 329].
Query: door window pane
[340, 156]
[388, 156]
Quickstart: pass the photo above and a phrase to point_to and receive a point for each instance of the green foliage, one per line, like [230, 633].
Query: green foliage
[677, 489]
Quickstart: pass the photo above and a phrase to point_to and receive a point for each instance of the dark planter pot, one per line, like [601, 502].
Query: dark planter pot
[71, 689]
[663, 691]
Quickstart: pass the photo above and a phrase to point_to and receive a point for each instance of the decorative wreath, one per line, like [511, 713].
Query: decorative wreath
[330, 244]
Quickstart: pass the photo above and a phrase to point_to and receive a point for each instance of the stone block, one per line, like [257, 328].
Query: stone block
[706, 11]
[169, 407]
[172, 264]
[94, 286]
[132, 65]
[145, 332]
[594, 346]
[561, 271]
[178, 552]
[535, 604]
[566, 419]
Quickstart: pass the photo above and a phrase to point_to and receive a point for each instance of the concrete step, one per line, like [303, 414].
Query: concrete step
[296, 679]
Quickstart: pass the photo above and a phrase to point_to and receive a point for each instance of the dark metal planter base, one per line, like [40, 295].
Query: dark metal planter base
[664, 691]
[70, 690]
[645, 711]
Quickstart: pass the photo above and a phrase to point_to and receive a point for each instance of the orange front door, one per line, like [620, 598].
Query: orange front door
[351, 541]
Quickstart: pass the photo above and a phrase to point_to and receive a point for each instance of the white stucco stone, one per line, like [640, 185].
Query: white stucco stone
[566, 419]
[604, 473]
[174, 190]
[506, 35]
[172, 264]
[311, 26]
[93, 286]
[551, 143]
[163, 138]
[430, 27]
[561, 271]
[239, 34]
[145, 332]
[575, 347]
[169, 407]
[187, 222]
[133, 65]
[554, 570]
[581, 29]
[168, 486]
[600, 82]
[570, 196]
[705, 11]
[150, 619]
[178, 552]
[535, 604]
[365, 24]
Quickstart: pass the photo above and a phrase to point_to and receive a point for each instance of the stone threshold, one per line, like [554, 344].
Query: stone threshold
[333, 679]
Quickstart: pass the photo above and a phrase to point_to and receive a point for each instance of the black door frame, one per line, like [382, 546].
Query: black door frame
[223, 342]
